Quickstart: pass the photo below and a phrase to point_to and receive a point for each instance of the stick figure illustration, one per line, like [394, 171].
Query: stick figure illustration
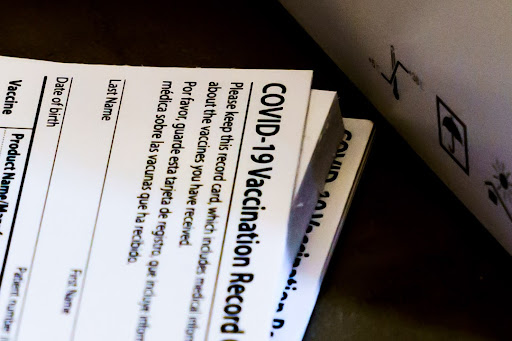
[394, 66]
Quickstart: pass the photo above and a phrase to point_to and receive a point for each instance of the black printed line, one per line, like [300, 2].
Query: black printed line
[17, 128]
[20, 317]
[23, 179]
[75, 321]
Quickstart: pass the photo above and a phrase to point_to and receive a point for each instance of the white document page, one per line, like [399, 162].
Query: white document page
[144, 203]
[300, 294]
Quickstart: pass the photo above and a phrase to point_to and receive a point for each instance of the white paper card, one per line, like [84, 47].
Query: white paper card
[135, 184]
[299, 296]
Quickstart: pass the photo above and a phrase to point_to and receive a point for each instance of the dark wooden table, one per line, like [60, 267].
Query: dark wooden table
[412, 263]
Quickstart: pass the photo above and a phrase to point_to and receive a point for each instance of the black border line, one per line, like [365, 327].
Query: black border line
[75, 320]
[17, 128]
[29, 276]
[23, 178]
[439, 101]
[227, 217]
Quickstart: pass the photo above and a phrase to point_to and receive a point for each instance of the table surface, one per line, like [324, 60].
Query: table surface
[411, 264]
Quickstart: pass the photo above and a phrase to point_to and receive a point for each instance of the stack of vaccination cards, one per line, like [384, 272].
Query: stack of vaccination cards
[144, 203]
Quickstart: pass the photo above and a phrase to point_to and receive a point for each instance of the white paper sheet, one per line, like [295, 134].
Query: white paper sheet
[128, 200]
[300, 294]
